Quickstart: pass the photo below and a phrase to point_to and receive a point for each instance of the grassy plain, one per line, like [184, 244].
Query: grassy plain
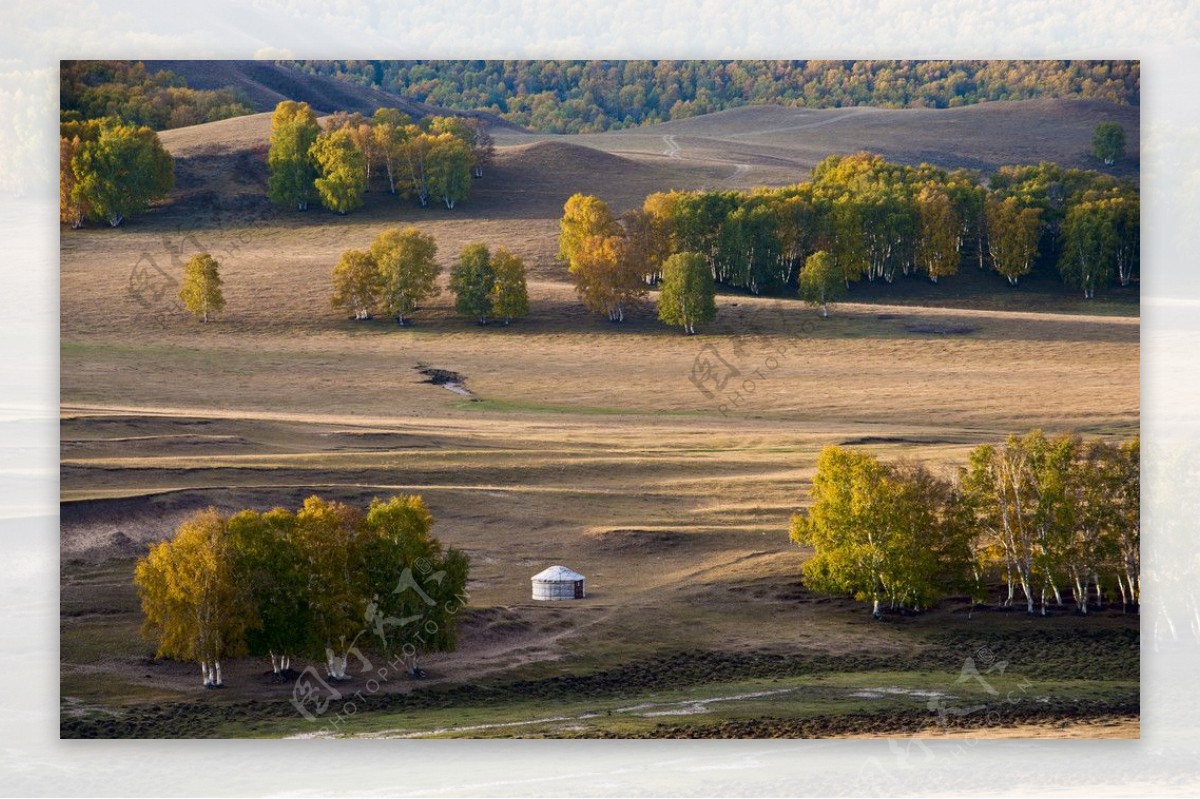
[582, 443]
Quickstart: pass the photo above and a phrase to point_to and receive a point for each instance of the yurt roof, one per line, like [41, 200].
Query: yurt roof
[557, 574]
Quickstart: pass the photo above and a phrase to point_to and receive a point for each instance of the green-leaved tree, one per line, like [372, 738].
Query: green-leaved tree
[472, 280]
[408, 268]
[294, 129]
[117, 171]
[1108, 142]
[687, 296]
[821, 281]
[510, 295]
[879, 532]
[342, 170]
[1012, 236]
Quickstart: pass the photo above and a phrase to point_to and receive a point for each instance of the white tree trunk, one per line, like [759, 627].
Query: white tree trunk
[335, 664]
[274, 663]
[218, 680]
[1028, 595]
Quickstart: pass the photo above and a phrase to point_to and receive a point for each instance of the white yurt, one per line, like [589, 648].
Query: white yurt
[558, 582]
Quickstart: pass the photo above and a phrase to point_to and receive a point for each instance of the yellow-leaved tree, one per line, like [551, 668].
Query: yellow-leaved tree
[194, 607]
[201, 289]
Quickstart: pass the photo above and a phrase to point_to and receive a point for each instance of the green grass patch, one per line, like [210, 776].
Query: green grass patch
[636, 712]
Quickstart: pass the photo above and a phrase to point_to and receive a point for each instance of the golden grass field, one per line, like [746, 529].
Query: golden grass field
[583, 443]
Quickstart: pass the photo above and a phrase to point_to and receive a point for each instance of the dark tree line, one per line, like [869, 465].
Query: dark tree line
[591, 96]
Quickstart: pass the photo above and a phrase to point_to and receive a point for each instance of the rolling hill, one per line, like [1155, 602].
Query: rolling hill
[737, 149]
[264, 84]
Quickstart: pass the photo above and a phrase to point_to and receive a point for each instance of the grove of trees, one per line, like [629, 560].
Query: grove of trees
[1042, 516]
[110, 170]
[399, 271]
[874, 220]
[489, 284]
[431, 160]
[323, 582]
[395, 275]
[556, 96]
[605, 257]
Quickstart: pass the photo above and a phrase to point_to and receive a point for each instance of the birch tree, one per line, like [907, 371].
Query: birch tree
[821, 282]
[584, 217]
[294, 129]
[687, 295]
[940, 232]
[607, 279]
[330, 537]
[118, 170]
[194, 608]
[510, 295]
[1089, 253]
[414, 157]
[483, 146]
[408, 270]
[200, 291]
[268, 567]
[1108, 142]
[449, 169]
[1012, 237]
[357, 284]
[879, 532]
[72, 200]
[390, 130]
[1127, 222]
[342, 171]
[415, 586]
[472, 280]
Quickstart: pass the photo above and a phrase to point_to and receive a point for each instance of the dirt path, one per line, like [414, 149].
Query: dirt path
[738, 171]
[673, 149]
[686, 707]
